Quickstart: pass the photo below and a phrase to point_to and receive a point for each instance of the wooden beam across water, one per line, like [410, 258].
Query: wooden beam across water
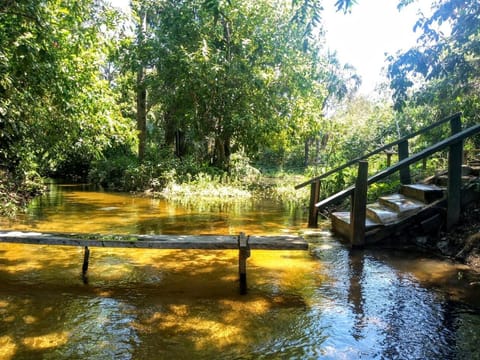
[242, 243]
[206, 242]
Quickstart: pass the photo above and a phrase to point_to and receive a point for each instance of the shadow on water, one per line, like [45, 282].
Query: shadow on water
[139, 304]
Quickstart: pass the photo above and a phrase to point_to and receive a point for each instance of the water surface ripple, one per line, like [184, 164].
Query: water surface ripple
[328, 303]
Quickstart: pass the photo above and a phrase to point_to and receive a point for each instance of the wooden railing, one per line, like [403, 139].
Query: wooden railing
[403, 154]
[454, 185]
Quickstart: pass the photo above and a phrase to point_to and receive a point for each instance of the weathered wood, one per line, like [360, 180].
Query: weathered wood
[455, 159]
[358, 213]
[455, 156]
[86, 257]
[455, 124]
[405, 177]
[241, 243]
[464, 134]
[205, 242]
[389, 153]
[243, 255]
[313, 210]
[382, 148]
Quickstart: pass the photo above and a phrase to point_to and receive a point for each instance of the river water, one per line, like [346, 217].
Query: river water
[325, 303]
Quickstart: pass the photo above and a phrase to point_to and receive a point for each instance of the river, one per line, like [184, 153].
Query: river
[325, 303]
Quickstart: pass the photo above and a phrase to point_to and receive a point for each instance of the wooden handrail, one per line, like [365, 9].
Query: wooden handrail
[378, 150]
[403, 163]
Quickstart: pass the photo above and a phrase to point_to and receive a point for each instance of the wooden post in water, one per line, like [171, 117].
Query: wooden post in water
[359, 208]
[313, 210]
[86, 257]
[455, 158]
[405, 177]
[243, 255]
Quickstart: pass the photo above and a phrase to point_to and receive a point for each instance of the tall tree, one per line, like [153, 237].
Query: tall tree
[230, 75]
[54, 103]
[141, 89]
[442, 71]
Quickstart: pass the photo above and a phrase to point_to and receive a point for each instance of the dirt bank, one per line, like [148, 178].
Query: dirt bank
[462, 243]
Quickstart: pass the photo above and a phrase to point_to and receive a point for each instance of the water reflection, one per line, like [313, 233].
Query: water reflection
[331, 303]
[79, 209]
[392, 314]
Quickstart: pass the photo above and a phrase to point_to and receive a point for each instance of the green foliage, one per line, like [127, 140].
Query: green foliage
[441, 74]
[227, 82]
[233, 76]
[16, 191]
[53, 102]
[110, 172]
[241, 168]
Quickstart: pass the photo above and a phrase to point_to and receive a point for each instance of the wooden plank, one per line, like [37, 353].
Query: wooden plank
[241, 243]
[205, 242]
[358, 213]
[312, 209]
[281, 242]
[243, 255]
[405, 177]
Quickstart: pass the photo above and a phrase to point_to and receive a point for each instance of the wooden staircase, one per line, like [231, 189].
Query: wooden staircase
[424, 207]
[418, 207]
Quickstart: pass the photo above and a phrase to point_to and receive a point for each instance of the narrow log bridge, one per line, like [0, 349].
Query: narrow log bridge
[242, 243]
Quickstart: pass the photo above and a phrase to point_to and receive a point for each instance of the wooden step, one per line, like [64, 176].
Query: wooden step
[466, 170]
[401, 204]
[442, 180]
[341, 223]
[475, 169]
[382, 214]
[422, 192]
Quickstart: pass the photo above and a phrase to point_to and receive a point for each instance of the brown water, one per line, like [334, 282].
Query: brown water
[328, 303]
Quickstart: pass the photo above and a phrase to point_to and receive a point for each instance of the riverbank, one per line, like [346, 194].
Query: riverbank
[16, 192]
[463, 242]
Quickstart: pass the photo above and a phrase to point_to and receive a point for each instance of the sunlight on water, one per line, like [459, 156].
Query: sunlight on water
[74, 209]
[327, 303]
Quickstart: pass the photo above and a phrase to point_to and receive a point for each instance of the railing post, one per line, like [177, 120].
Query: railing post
[456, 124]
[403, 154]
[359, 208]
[313, 210]
[455, 158]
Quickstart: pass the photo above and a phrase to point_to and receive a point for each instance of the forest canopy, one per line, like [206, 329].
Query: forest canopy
[177, 88]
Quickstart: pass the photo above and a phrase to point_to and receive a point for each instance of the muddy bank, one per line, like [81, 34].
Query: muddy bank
[460, 244]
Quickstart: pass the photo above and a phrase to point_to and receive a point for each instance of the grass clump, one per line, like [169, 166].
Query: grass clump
[207, 187]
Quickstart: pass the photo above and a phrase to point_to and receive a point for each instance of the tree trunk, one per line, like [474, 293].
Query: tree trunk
[141, 114]
[141, 93]
[307, 150]
[180, 145]
[221, 158]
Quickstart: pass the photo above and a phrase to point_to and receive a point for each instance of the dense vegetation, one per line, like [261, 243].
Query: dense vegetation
[203, 90]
